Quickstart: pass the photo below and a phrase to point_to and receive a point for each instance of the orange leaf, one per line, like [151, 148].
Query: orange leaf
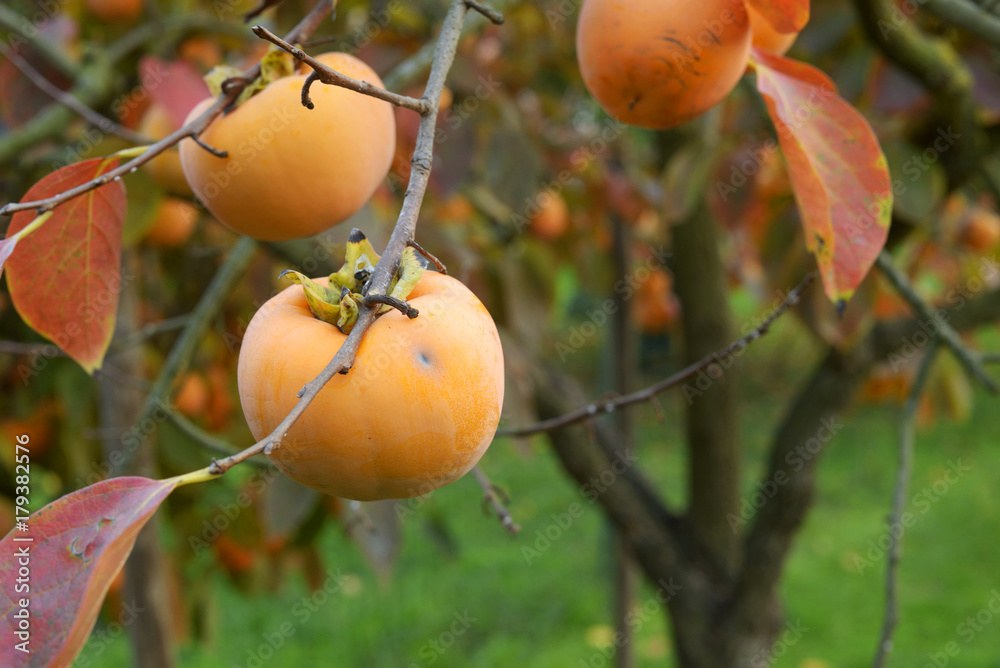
[55, 573]
[785, 16]
[838, 171]
[65, 276]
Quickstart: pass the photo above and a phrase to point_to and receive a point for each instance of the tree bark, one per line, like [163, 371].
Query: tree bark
[146, 588]
[713, 443]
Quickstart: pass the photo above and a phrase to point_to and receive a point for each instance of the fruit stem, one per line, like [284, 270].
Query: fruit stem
[201, 475]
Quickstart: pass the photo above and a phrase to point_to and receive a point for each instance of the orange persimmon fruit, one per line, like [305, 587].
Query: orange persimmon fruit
[174, 223]
[552, 219]
[661, 63]
[293, 172]
[415, 412]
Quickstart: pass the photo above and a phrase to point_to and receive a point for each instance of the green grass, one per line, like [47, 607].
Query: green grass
[555, 610]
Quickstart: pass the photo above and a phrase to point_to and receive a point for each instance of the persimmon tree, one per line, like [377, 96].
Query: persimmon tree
[778, 183]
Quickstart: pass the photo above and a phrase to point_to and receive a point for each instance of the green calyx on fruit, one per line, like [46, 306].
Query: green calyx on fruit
[339, 302]
[276, 64]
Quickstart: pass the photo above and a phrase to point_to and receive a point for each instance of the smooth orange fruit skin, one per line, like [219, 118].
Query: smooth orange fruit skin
[417, 410]
[766, 37]
[661, 63]
[294, 172]
[174, 223]
[166, 167]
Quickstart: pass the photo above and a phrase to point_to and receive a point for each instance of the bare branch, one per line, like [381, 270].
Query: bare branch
[495, 498]
[488, 12]
[650, 392]
[946, 332]
[905, 446]
[332, 77]
[395, 303]
[438, 264]
[68, 100]
[968, 16]
[260, 9]
[203, 438]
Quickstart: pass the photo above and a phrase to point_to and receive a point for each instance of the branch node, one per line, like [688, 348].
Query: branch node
[395, 303]
[218, 153]
[488, 12]
[310, 80]
[438, 264]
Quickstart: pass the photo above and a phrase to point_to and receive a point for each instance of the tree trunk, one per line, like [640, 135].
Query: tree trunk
[146, 589]
[713, 444]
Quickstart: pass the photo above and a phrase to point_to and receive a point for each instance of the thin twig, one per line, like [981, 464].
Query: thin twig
[438, 264]
[52, 350]
[203, 438]
[905, 445]
[949, 337]
[194, 128]
[260, 9]
[151, 330]
[488, 12]
[494, 497]
[649, 393]
[402, 233]
[394, 302]
[69, 101]
[332, 77]
[968, 16]
[44, 46]
[225, 279]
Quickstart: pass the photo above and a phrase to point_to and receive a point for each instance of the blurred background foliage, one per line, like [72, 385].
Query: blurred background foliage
[528, 177]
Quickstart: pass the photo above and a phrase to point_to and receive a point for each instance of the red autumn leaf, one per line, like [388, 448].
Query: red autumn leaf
[785, 16]
[838, 171]
[176, 86]
[64, 563]
[65, 277]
